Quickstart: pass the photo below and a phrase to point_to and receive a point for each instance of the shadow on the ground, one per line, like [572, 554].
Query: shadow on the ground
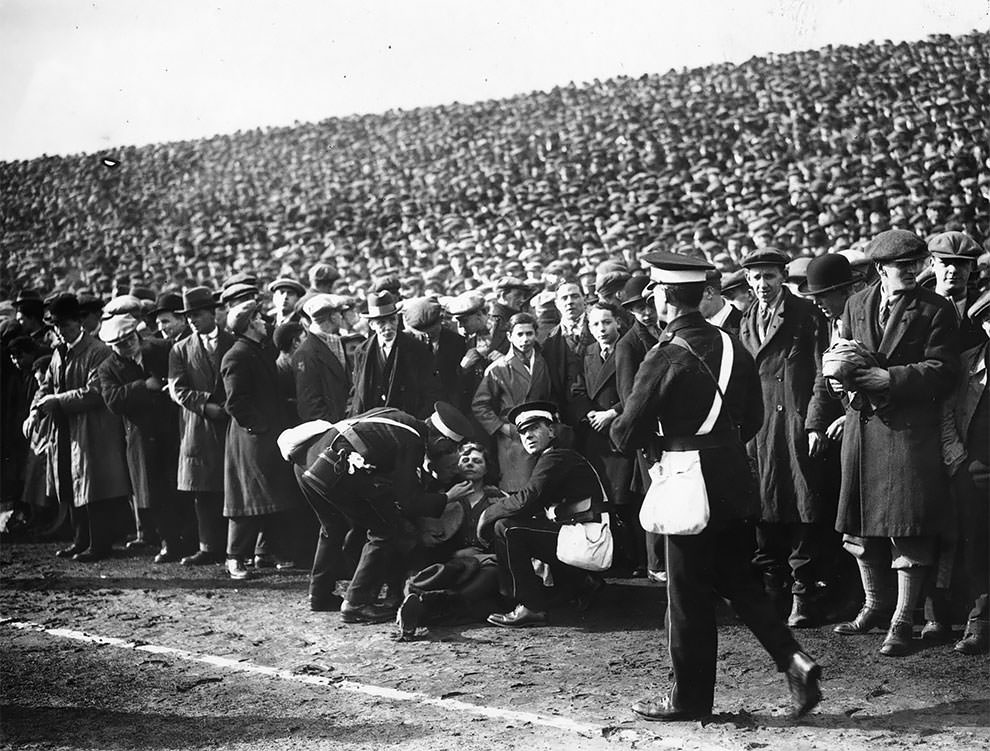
[90, 727]
[964, 713]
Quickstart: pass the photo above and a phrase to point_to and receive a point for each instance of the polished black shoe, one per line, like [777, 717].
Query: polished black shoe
[166, 555]
[976, 639]
[663, 710]
[803, 675]
[802, 613]
[325, 604]
[202, 558]
[69, 552]
[521, 617]
[408, 615]
[864, 622]
[365, 613]
[91, 555]
[897, 643]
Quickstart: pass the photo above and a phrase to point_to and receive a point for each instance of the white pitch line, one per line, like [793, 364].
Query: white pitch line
[381, 692]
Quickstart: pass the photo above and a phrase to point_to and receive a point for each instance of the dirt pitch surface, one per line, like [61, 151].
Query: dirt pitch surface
[124, 654]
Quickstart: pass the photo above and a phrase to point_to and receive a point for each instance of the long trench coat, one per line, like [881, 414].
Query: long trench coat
[150, 418]
[257, 480]
[506, 383]
[194, 381]
[788, 361]
[893, 483]
[86, 431]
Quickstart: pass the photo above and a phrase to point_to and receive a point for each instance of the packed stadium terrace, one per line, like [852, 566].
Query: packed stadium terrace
[810, 152]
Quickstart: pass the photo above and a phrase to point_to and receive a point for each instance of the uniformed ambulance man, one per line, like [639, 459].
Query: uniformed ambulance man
[674, 393]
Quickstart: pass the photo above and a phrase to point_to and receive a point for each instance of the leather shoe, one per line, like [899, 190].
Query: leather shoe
[864, 622]
[519, 618]
[936, 632]
[69, 552]
[91, 555]
[365, 613]
[802, 679]
[201, 558]
[408, 615]
[976, 639]
[137, 545]
[897, 643]
[165, 555]
[593, 586]
[325, 604]
[801, 613]
[663, 710]
[236, 570]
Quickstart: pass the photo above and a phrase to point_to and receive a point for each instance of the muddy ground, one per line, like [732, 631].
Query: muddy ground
[582, 672]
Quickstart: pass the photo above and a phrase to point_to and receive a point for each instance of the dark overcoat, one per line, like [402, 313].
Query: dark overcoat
[564, 367]
[893, 484]
[630, 351]
[672, 386]
[151, 420]
[194, 381]
[451, 349]
[408, 381]
[322, 382]
[788, 360]
[615, 469]
[257, 480]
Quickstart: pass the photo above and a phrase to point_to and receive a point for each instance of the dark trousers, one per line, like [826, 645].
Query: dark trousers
[329, 562]
[93, 524]
[210, 524]
[790, 549]
[365, 501]
[699, 568]
[975, 512]
[244, 533]
[516, 543]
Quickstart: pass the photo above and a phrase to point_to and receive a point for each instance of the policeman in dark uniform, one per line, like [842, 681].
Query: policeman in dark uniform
[564, 488]
[366, 472]
[674, 386]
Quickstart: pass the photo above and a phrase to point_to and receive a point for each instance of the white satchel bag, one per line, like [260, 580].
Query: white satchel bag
[677, 501]
[587, 545]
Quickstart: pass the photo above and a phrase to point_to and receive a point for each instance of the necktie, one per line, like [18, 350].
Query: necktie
[208, 344]
[606, 351]
[884, 313]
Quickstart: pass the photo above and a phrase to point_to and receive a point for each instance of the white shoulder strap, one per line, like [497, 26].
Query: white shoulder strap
[724, 371]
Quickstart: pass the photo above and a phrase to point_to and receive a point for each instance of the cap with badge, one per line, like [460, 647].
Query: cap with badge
[450, 422]
[525, 414]
[765, 257]
[674, 268]
[896, 245]
[954, 245]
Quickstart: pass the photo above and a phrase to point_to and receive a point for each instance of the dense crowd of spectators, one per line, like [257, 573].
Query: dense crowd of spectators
[806, 151]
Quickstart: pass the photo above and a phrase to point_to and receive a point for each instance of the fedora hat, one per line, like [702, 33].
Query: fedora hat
[827, 272]
[197, 298]
[380, 305]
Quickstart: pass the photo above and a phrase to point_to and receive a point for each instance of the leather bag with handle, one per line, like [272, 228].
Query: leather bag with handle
[677, 501]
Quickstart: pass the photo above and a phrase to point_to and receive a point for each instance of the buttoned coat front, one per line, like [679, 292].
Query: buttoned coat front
[615, 469]
[788, 361]
[410, 385]
[893, 484]
[322, 382]
[194, 381]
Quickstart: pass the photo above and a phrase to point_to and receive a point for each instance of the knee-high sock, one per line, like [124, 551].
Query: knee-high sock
[872, 576]
[910, 582]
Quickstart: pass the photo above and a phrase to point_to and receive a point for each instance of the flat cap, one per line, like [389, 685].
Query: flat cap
[765, 257]
[954, 245]
[236, 293]
[324, 273]
[673, 268]
[241, 277]
[734, 280]
[421, 312]
[465, 304]
[511, 282]
[288, 284]
[323, 304]
[122, 305]
[980, 307]
[118, 328]
[896, 245]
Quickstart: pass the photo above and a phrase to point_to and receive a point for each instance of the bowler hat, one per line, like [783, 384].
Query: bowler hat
[168, 302]
[827, 272]
[380, 305]
[634, 291]
[63, 306]
[197, 298]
